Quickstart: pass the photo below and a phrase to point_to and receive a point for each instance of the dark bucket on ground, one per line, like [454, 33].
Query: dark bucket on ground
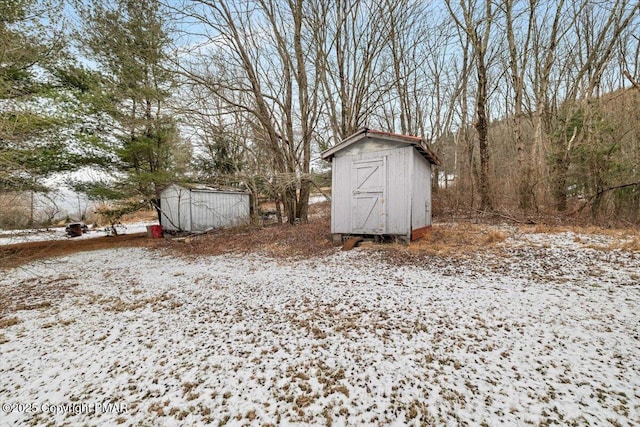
[74, 230]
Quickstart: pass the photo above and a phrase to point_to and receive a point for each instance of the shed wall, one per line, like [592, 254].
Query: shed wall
[196, 210]
[216, 210]
[421, 193]
[175, 202]
[397, 186]
[365, 146]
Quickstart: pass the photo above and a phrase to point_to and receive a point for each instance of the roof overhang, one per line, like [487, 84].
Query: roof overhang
[418, 143]
[201, 188]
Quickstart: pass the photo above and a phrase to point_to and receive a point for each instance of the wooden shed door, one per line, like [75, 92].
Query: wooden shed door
[368, 215]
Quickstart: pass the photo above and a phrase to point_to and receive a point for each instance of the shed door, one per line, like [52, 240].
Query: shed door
[368, 215]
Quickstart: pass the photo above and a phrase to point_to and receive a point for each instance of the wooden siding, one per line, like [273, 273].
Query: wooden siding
[397, 187]
[366, 146]
[421, 193]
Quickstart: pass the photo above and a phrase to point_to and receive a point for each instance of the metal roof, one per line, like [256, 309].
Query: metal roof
[418, 143]
[205, 188]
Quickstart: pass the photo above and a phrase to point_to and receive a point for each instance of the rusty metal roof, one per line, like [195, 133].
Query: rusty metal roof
[418, 143]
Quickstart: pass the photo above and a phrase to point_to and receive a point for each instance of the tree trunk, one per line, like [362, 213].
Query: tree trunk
[290, 200]
[560, 167]
[482, 127]
[156, 205]
[303, 202]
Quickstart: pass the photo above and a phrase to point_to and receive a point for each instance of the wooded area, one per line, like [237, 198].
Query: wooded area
[533, 106]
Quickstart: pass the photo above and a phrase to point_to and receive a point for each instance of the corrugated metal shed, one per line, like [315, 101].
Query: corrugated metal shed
[188, 207]
[381, 185]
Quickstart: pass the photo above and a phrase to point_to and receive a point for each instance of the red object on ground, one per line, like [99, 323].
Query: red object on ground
[156, 231]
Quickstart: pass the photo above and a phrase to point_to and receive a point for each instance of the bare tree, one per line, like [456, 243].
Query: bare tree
[518, 65]
[260, 50]
[476, 24]
[597, 30]
[275, 81]
[552, 24]
[353, 61]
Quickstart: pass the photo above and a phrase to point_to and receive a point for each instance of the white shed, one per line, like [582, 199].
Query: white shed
[381, 185]
[189, 207]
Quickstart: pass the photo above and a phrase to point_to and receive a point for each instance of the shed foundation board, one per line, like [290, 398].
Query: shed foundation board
[420, 232]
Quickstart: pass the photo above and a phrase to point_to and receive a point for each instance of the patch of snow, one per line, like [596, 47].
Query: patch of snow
[539, 336]
[318, 198]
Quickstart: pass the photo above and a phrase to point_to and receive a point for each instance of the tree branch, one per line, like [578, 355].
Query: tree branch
[628, 75]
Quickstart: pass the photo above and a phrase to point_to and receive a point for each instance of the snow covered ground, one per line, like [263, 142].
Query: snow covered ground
[546, 333]
[9, 237]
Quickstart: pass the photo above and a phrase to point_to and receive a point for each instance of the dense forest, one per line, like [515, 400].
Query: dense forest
[532, 105]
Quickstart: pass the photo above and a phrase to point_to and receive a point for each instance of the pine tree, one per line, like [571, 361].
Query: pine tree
[129, 41]
[31, 144]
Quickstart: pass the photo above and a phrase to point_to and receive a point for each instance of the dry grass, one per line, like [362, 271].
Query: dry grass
[457, 239]
[448, 240]
[589, 230]
[149, 215]
[314, 239]
[632, 245]
[278, 240]
[34, 306]
[36, 294]
[10, 321]
[452, 243]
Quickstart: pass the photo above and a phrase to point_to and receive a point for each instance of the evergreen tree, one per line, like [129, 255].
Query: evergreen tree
[32, 145]
[129, 41]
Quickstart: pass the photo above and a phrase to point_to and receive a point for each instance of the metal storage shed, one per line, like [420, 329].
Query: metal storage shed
[381, 185]
[188, 207]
